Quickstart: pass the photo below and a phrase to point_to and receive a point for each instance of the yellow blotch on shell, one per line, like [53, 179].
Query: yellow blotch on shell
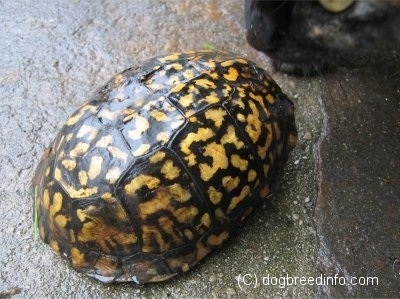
[82, 177]
[191, 159]
[68, 164]
[81, 214]
[159, 201]
[212, 98]
[118, 79]
[117, 153]
[186, 100]
[108, 197]
[69, 136]
[57, 174]
[237, 199]
[105, 141]
[270, 98]
[171, 57]
[61, 154]
[253, 127]
[113, 175]
[79, 149]
[77, 258]
[158, 115]
[232, 61]
[157, 157]
[141, 125]
[72, 236]
[54, 245]
[230, 183]
[169, 170]
[123, 238]
[47, 172]
[227, 63]
[257, 98]
[226, 90]
[56, 204]
[214, 195]
[61, 220]
[185, 267]
[151, 234]
[141, 181]
[205, 83]
[106, 113]
[179, 193]
[141, 150]
[188, 74]
[129, 113]
[262, 151]
[46, 199]
[210, 64]
[95, 167]
[214, 75]
[202, 134]
[242, 94]
[79, 193]
[186, 214]
[252, 175]
[206, 220]
[239, 163]
[176, 66]
[220, 161]
[216, 240]
[240, 117]
[188, 233]
[74, 119]
[88, 131]
[192, 89]
[231, 137]
[163, 136]
[178, 87]
[216, 115]
[232, 74]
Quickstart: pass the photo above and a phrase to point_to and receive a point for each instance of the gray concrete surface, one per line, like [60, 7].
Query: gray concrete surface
[54, 54]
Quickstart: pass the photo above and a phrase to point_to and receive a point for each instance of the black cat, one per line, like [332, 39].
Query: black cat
[308, 37]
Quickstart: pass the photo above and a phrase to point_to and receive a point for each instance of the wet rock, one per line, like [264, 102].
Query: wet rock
[357, 218]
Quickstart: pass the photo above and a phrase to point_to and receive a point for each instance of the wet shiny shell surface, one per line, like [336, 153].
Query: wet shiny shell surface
[162, 164]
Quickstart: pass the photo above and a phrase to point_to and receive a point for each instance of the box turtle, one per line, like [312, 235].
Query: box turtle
[162, 165]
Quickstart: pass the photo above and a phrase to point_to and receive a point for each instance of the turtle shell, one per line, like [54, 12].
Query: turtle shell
[162, 165]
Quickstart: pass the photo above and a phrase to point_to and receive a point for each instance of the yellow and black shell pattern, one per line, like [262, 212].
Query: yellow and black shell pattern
[162, 165]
